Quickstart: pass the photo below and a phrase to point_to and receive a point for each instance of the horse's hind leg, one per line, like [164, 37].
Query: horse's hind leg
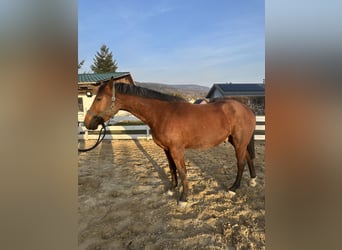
[240, 164]
[173, 171]
[250, 155]
[240, 153]
[251, 168]
[243, 154]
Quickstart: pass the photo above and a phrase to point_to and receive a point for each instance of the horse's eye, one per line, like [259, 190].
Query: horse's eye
[98, 98]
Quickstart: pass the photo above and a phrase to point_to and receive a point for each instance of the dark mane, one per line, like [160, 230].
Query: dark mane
[130, 89]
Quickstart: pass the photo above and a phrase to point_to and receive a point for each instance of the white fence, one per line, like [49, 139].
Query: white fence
[259, 133]
[142, 131]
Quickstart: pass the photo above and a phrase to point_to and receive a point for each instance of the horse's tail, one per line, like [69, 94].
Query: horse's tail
[250, 147]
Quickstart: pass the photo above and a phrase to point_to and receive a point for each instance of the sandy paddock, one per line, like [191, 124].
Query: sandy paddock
[123, 202]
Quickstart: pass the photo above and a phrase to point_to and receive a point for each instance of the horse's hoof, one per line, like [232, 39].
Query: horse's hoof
[253, 182]
[231, 193]
[170, 193]
[182, 204]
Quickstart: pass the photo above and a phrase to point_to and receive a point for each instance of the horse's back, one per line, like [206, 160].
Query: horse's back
[215, 116]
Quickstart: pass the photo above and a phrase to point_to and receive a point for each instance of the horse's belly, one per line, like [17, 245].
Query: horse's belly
[207, 139]
[196, 136]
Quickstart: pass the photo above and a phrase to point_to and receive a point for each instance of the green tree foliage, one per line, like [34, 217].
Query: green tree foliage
[80, 64]
[103, 61]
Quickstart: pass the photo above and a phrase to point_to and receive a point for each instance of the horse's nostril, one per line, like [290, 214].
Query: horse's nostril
[95, 121]
[93, 124]
[100, 119]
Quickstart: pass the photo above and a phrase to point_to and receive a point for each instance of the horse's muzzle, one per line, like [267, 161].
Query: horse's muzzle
[94, 122]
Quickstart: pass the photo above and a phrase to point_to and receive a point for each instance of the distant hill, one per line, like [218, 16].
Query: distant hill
[187, 91]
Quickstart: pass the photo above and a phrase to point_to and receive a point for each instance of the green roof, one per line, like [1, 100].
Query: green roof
[96, 77]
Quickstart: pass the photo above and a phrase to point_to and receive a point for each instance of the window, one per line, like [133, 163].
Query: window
[80, 104]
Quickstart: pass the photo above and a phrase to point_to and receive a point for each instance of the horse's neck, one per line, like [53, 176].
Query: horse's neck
[143, 108]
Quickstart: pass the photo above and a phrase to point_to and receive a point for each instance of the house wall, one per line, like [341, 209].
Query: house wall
[256, 103]
[86, 104]
[86, 101]
[254, 100]
[216, 94]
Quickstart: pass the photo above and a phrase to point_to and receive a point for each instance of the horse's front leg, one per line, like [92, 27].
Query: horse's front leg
[177, 155]
[173, 171]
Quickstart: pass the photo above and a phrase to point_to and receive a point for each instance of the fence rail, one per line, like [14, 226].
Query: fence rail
[259, 133]
[142, 131]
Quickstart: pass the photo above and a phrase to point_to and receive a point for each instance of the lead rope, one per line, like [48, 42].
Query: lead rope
[103, 126]
[99, 140]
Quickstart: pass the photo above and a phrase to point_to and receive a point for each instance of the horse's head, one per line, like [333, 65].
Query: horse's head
[103, 106]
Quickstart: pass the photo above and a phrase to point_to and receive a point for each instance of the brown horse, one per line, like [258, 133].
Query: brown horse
[177, 125]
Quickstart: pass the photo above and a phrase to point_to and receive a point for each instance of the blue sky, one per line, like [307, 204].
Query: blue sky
[177, 41]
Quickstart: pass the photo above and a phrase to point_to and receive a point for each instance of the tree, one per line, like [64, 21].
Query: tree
[103, 61]
[80, 64]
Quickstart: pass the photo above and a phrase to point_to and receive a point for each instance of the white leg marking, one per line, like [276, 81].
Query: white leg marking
[231, 193]
[182, 204]
[169, 192]
[253, 182]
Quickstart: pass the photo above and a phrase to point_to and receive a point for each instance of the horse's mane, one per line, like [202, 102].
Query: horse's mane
[130, 89]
